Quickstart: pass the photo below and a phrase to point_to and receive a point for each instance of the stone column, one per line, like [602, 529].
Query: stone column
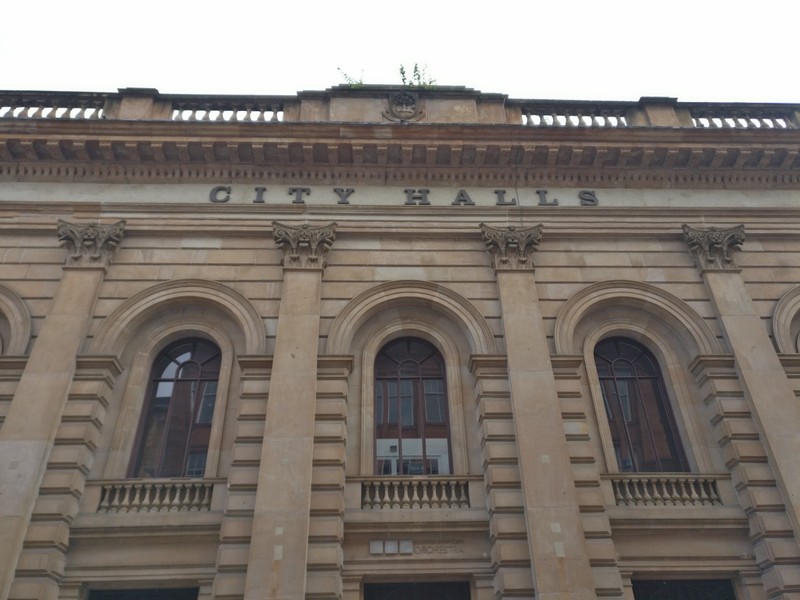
[279, 544]
[555, 535]
[27, 435]
[773, 405]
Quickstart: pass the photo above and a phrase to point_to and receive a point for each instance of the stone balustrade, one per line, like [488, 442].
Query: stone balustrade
[742, 116]
[52, 105]
[231, 110]
[155, 496]
[665, 489]
[415, 492]
[576, 114]
[149, 104]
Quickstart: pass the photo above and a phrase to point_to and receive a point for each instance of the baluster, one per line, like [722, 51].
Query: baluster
[424, 500]
[114, 505]
[365, 502]
[406, 499]
[160, 497]
[694, 495]
[147, 499]
[436, 500]
[174, 495]
[395, 502]
[685, 498]
[136, 499]
[649, 491]
[190, 499]
[616, 487]
[386, 496]
[637, 495]
[449, 494]
[104, 495]
[622, 493]
[416, 501]
[205, 490]
[714, 491]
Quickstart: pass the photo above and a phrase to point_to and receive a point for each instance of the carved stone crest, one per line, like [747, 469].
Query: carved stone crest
[90, 245]
[511, 248]
[713, 248]
[403, 107]
[304, 246]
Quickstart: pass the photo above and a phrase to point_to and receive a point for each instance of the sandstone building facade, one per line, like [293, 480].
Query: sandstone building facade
[382, 342]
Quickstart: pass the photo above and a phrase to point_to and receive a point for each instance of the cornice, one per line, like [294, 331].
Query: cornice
[457, 155]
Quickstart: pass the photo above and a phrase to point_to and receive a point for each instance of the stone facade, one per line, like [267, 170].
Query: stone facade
[306, 242]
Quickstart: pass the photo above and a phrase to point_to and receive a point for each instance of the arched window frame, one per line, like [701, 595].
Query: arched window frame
[135, 399]
[674, 375]
[185, 380]
[453, 367]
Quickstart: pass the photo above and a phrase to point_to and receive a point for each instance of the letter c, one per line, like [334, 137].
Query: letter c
[214, 195]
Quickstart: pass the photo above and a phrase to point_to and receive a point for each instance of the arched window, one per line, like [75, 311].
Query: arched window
[639, 415]
[412, 425]
[176, 422]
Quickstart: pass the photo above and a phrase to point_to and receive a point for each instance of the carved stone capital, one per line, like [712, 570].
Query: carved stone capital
[713, 248]
[511, 248]
[90, 245]
[304, 246]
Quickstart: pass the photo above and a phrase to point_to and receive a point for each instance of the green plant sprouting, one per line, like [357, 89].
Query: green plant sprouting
[352, 81]
[419, 77]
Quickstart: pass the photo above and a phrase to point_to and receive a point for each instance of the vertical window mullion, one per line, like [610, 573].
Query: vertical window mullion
[621, 418]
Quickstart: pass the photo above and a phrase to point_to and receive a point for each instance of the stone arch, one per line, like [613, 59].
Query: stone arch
[151, 320]
[399, 296]
[15, 324]
[179, 297]
[786, 322]
[662, 323]
[410, 309]
[639, 303]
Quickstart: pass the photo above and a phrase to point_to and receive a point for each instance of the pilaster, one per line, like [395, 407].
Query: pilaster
[276, 566]
[561, 567]
[32, 423]
[769, 398]
[326, 530]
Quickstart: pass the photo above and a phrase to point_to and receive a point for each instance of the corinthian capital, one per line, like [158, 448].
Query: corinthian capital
[90, 245]
[511, 248]
[713, 248]
[304, 246]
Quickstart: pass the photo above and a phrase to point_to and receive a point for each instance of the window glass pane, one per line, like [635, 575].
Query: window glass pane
[207, 401]
[175, 426]
[189, 370]
[406, 444]
[406, 403]
[379, 400]
[640, 417]
[150, 453]
[391, 390]
[196, 464]
[434, 400]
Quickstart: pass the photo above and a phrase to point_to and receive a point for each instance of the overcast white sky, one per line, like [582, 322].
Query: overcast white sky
[599, 50]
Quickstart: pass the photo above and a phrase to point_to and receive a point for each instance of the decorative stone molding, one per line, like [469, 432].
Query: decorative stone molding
[511, 248]
[403, 107]
[786, 322]
[90, 245]
[713, 248]
[643, 306]
[222, 305]
[304, 246]
[427, 299]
